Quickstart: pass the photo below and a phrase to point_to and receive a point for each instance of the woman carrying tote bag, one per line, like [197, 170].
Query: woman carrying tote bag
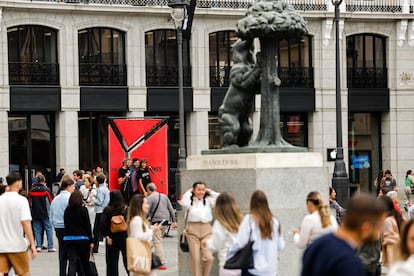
[264, 229]
[225, 227]
[138, 225]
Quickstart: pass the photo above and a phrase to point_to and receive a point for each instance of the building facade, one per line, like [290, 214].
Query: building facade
[69, 65]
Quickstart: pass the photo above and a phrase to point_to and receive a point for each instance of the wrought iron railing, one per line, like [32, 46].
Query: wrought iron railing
[394, 6]
[167, 75]
[219, 76]
[309, 5]
[289, 76]
[296, 77]
[367, 78]
[231, 4]
[374, 6]
[33, 73]
[99, 74]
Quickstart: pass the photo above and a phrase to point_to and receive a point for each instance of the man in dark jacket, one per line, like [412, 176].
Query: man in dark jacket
[40, 199]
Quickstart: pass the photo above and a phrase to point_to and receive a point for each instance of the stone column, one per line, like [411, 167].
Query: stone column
[67, 125]
[67, 141]
[137, 102]
[197, 132]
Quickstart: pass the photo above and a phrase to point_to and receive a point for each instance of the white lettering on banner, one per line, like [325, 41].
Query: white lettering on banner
[142, 262]
[220, 162]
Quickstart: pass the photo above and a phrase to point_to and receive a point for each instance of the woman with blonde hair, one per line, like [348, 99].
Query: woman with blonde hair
[319, 221]
[265, 230]
[138, 225]
[225, 227]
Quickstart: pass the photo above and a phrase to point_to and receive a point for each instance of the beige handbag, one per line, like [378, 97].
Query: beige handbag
[138, 255]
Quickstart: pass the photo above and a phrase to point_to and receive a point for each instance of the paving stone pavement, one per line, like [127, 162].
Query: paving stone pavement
[48, 263]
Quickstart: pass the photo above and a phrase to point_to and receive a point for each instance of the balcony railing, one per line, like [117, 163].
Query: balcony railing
[33, 73]
[167, 76]
[309, 5]
[296, 77]
[374, 5]
[289, 76]
[99, 74]
[393, 6]
[219, 76]
[367, 78]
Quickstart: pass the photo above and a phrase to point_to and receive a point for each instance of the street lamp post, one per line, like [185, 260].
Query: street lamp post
[178, 14]
[340, 180]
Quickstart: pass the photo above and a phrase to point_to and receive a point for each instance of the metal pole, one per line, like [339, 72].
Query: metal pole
[340, 180]
[181, 165]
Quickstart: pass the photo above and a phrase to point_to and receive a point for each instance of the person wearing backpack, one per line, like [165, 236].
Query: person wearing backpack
[388, 181]
[114, 229]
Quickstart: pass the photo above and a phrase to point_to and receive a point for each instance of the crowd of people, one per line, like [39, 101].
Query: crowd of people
[369, 236]
[82, 214]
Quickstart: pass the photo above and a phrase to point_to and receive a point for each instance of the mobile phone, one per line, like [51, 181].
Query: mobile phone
[162, 222]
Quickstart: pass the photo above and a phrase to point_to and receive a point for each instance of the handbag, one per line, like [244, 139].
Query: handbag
[155, 261]
[139, 255]
[183, 237]
[184, 242]
[92, 266]
[118, 224]
[243, 259]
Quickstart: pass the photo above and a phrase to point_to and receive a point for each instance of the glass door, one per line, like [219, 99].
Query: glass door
[364, 144]
[32, 146]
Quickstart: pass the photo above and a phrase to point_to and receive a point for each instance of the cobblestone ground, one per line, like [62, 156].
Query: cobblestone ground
[48, 263]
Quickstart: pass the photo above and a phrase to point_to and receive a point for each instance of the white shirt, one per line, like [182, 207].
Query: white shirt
[265, 251]
[135, 230]
[311, 229]
[403, 268]
[14, 209]
[200, 212]
[220, 241]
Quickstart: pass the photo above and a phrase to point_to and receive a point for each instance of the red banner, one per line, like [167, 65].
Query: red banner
[141, 138]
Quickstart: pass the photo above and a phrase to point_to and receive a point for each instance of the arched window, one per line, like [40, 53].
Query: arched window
[294, 59]
[33, 55]
[295, 62]
[366, 61]
[221, 58]
[102, 57]
[161, 59]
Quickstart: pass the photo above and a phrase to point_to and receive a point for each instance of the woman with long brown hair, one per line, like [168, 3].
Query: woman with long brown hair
[317, 223]
[115, 241]
[225, 227]
[265, 230]
[138, 224]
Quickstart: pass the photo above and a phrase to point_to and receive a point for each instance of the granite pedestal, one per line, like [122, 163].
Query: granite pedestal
[286, 177]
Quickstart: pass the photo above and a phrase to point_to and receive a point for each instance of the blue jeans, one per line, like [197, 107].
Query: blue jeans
[38, 226]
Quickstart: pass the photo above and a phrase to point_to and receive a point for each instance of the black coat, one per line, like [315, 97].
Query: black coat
[77, 222]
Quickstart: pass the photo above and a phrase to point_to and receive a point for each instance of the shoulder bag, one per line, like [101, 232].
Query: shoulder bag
[139, 256]
[243, 259]
[183, 237]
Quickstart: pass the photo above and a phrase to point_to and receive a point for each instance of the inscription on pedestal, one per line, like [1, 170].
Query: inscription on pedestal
[220, 163]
